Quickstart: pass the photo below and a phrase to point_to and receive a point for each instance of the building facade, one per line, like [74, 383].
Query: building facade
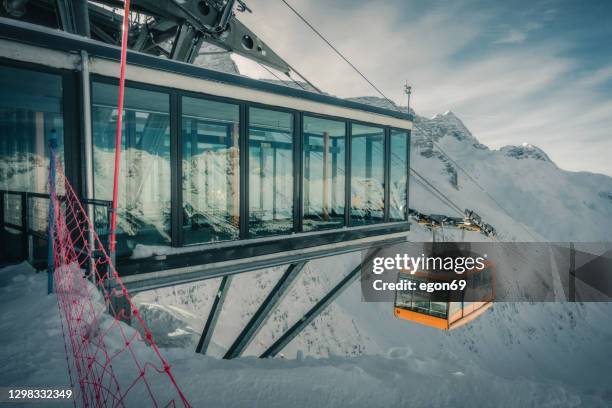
[215, 167]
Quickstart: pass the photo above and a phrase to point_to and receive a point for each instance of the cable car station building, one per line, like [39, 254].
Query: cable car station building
[218, 170]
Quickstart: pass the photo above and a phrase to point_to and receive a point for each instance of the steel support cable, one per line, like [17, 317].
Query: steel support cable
[297, 13]
[424, 180]
[280, 79]
[318, 33]
[303, 77]
[421, 180]
[446, 198]
[473, 180]
[441, 199]
[207, 32]
[433, 193]
[291, 78]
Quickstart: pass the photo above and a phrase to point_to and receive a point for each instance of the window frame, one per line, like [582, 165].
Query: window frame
[386, 170]
[179, 160]
[408, 152]
[347, 210]
[174, 126]
[70, 114]
[296, 172]
[177, 238]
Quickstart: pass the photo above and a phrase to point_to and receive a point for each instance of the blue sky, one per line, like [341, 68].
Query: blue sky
[519, 71]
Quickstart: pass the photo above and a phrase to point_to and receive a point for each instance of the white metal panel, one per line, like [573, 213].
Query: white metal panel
[177, 81]
[38, 55]
[62, 60]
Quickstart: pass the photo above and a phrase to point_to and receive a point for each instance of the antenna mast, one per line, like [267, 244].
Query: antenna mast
[408, 92]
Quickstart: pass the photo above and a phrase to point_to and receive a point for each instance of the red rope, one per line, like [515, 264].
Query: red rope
[124, 43]
[110, 364]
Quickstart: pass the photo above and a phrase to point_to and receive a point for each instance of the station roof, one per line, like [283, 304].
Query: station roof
[62, 41]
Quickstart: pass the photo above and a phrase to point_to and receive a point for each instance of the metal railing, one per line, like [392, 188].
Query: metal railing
[24, 216]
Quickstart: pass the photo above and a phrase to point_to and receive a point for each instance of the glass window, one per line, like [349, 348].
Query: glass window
[367, 174]
[211, 171]
[324, 168]
[422, 304]
[453, 308]
[270, 172]
[399, 175]
[438, 309]
[482, 282]
[403, 298]
[143, 213]
[420, 300]
[30, 108]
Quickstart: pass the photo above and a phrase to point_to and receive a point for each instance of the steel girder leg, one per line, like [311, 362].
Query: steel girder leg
[316, 310]
[213, 316]
[262, 314]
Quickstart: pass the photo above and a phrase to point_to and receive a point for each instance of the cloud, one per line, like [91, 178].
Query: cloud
[597, 77]
[452, 55]
[517, 35]
[513, 37]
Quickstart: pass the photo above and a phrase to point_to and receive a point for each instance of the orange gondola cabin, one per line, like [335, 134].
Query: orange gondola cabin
[446, 310]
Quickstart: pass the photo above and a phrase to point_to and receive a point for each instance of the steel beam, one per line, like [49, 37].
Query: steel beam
[65, 11]
[143, 281]
[316, 310]
[87, 149]
[142, 40]
[2, 232]
[81, 17]
[186, 44]
[102, 34]
[24, 224]
[262, 314]
[572, 274]
[387, 174]
[213, 316]
[15, 8]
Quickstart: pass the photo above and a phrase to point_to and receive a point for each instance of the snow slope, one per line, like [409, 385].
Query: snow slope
[556, 204]
[402, 376]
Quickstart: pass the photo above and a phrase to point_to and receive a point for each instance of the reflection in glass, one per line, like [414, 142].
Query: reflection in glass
[30, 107]
[420, 300]
[211, 171]
[324, 164]
[398, 175]
[143, 214]
[367, 174]
[270, 172]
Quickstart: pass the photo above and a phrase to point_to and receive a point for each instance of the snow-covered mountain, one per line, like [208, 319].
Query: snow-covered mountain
[213, 57]
[525, 151]
[522, 185]
[507, 187]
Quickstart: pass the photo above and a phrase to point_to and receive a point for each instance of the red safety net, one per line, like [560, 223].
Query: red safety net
[110, 363]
